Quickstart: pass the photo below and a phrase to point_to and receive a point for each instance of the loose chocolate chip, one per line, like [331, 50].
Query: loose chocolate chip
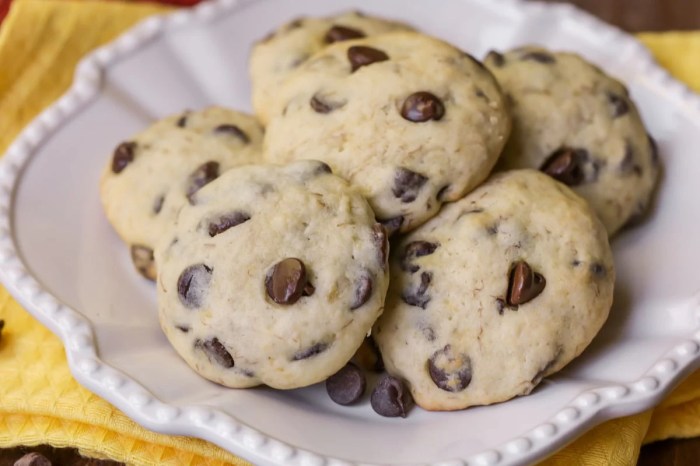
[654, 148]
[540, 57]
[227, 221]
[417, 297]
[442, 192]
[523, 284]
[381, 242]
[286, 282]
[618, 105]
[311, 351]
[347, 385]
[360, 55]
[407, 184]
[142, 257]
[123, 156]
[598, 270]
[565, 165]
[392, 225]
[340, 33]
[204, 174]
[33, 459]
[391, 398]
[182, 121]
[363, 291]
[183, 328]
[422, 106]
[321, 104]
[497, 58]
[368, 356]
[216, 352]
[450, 372]
[416, 249]
[234, 131]
[158, 204]
[628, 165]
[193, 284]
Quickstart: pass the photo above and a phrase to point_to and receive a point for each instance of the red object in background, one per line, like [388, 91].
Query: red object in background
[4, 6]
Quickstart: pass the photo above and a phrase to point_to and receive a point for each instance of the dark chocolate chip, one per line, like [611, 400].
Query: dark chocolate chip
[363, 290]
[598, 270]
[203, 175]
[381, 242]
[500, 305]
[391, 398]
[286, 282]
[232, 130]
[497, 58]
[416, 249]
[183, 328]
[450, 372]
[523, 284]
[539, 57]
[158, 204]
[416, 296]
[227, 221]
[321, 104]
[575, 263]
[428, 333]
[442, 192]
[322, 168]
[347, 385]
[654, 148]
[618, 105]
[628, 165]
[407, 184]
[182, 121]
[565, 165]
[193, 284]
[33, 459]
[492, 230]
[360, 55]
[392, 225]
[340, 33]
[216, 352]
[142, 257]
[422, 106]
[123, 156]
[311, 351]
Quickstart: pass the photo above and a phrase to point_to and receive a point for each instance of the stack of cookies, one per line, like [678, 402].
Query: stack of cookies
[498, 185]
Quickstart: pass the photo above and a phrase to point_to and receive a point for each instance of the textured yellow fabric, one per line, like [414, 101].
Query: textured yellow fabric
[40, 44]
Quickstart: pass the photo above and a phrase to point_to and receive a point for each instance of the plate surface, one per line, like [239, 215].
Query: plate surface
[62, 261]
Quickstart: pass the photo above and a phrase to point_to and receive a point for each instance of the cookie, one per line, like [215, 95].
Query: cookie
[579, 125]
[502, 288]
[150, 176]
[409, 119]
[273, 276]
[277, 55]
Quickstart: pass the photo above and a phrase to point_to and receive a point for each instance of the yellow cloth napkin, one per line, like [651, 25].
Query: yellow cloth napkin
[40, 44]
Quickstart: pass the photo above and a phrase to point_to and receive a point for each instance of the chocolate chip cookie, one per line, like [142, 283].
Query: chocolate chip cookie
[150, 176]
[277, 55]
[499, 290]
[273, 275]
[411, 120]
[580, 126]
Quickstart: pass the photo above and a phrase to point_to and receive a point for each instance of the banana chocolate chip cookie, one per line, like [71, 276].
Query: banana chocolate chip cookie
[578, 125]
[273, 275]
[499, 290]
[409, 119]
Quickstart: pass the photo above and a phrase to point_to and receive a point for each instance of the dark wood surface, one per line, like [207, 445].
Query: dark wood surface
[630, 15]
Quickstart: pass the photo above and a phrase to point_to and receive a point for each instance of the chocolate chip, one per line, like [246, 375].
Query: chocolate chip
[392, 225]
[442, 192]
[416, 249]
[497, 58]
[232, 130]
[381, 242]
[540, 57]
[416, 296]
[500, 305]
[322, 168]
[347, 385]
[311, 351]
[523, 284]
[183, 328]
[407, 184]
[204, 174]
[227, 221]
[340, 33]
[363, 290]
[391, 398]
[368, 356]
[618, 105]
[193, 284]
[565, 165]
[422, 106]
[142, 257]
[321, 104]
[216, 352]
[123, 156]
[286, 282]
[158, 204]
[297, 23]
[360, 55]
[492, 230]
[598, 270]
[33, 459]
[182, 121]
[654, 149]
[428, 333]
[450, 372]
[628, 165]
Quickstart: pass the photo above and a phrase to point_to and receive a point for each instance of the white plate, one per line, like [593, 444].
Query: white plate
[62, 261]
